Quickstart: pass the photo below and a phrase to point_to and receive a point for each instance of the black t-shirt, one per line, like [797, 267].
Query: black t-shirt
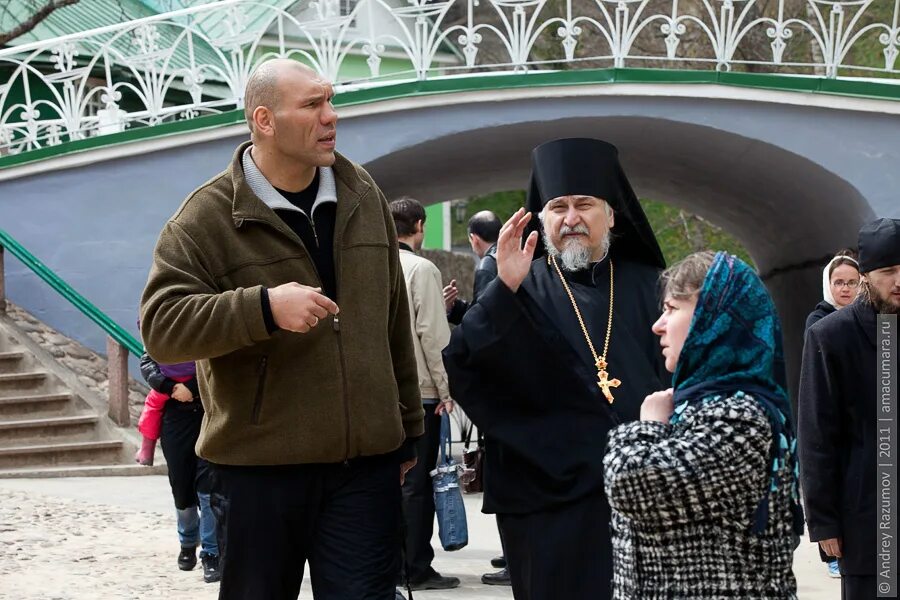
[304, 199]
[315, 230]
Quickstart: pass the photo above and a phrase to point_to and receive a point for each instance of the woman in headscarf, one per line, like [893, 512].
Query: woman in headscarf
[840, 284]
[704, 487]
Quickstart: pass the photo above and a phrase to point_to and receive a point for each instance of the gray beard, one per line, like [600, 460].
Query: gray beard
[574, 256]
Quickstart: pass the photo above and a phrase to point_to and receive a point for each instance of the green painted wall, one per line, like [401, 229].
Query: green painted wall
[356, 67]
[40, 91]
[434, 227]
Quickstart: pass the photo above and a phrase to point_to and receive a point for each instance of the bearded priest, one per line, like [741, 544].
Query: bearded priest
[558, 351]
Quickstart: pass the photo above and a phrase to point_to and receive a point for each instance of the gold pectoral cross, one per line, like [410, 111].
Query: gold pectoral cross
[604, 381]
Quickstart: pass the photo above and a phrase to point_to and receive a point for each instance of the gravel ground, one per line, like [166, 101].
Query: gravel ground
[114, 537]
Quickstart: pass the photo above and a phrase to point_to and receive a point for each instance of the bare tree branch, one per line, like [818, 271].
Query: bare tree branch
[35, 19]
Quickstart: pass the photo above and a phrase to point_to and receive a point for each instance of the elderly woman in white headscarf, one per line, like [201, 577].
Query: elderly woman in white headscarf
[840, 283]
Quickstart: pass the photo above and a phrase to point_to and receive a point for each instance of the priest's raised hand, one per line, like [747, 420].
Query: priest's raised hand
[514, 259]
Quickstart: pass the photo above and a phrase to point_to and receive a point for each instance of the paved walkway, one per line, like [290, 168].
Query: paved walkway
[114, 538]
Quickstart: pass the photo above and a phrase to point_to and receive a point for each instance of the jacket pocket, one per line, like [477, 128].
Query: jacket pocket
[260, 389]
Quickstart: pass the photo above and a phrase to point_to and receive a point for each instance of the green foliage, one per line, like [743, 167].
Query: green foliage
[869, 51]
[504, 204]
[679, 233]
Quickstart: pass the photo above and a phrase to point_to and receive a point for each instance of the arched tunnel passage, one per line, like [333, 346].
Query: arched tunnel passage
[792, 175]
[788, 211]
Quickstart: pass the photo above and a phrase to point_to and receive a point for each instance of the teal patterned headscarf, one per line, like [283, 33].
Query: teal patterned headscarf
[734, 347]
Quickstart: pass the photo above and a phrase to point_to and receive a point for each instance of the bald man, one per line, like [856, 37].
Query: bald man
[483, 230]
[281, 278]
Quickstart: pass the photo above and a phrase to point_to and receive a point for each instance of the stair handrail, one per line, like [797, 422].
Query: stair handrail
[113, 329]
[119, 341]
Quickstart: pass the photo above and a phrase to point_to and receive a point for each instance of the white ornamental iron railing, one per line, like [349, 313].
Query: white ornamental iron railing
[195, 61]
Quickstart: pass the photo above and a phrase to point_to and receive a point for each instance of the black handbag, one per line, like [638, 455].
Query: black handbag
[472, 476]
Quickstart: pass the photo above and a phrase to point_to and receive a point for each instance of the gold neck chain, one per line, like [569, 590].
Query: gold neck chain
[599, 360]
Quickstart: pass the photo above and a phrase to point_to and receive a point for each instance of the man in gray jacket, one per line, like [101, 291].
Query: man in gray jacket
[483, 229]
[430, 335]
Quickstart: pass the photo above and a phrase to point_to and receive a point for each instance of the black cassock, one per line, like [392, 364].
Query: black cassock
[520, 367]
[837, 434]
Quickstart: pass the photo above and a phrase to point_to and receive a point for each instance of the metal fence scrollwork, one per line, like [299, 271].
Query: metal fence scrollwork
[192, 62]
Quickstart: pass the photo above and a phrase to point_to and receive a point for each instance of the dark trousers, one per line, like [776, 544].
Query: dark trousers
[564, 552]
[418, 500]
[502, 543]
[858, 587]
[344, 519]
[180, 430]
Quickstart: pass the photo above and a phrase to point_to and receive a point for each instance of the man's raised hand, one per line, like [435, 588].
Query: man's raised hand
[451, 293]
[514, 259]
[299, 308]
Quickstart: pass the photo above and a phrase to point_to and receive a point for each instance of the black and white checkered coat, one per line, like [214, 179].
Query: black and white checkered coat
[684, 498]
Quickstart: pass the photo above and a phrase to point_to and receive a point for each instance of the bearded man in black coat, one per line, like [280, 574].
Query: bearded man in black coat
[555, 353]
[838, 415]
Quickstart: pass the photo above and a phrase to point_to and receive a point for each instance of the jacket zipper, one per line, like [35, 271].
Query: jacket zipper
[312, 225]
[260, 389]
[336, 321]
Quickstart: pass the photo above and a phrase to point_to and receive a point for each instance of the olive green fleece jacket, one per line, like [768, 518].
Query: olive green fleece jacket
[347, 388]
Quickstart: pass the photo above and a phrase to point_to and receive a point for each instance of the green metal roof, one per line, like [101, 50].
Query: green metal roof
[82, 16]
[254, 16]
[92, 14]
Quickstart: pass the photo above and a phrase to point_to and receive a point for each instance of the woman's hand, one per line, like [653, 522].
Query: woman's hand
[658, 406]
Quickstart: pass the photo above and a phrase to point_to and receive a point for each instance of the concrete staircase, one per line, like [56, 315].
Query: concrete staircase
[51, 425]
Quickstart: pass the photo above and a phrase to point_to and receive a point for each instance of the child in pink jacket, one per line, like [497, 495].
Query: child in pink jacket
[176, 382]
